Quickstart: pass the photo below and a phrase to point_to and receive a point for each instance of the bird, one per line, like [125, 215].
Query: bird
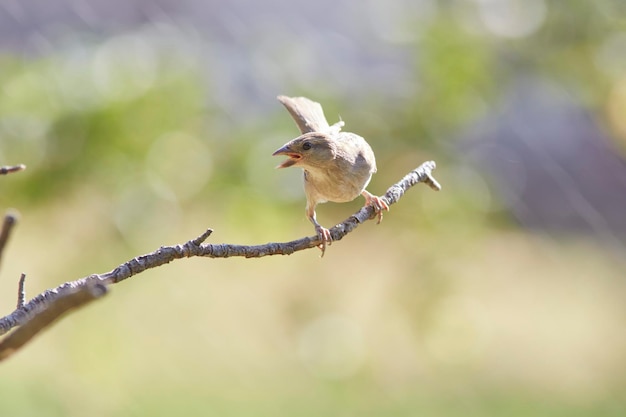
[337, 165]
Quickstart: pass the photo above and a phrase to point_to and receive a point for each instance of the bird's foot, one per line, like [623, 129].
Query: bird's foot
[324, 235]
[378, 203]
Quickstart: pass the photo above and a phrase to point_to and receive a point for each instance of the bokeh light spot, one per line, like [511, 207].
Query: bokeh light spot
[512, 18]
[124, 67]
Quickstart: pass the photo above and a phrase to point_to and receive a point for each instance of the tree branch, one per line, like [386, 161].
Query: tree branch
[48, 306]
[70, 299]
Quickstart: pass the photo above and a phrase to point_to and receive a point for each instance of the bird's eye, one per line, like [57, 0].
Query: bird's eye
[306, 146]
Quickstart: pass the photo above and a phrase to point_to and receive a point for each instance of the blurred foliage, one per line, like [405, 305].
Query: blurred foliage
[70, 130]
[94, 108]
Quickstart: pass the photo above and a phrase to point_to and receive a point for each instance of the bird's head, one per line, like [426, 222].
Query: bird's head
[312, 149]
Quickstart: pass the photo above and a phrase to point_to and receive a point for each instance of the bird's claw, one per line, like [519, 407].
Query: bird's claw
[378, 203]
[324, 235]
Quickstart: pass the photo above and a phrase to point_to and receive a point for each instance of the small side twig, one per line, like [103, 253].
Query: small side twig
[10, 219]
[10, 169]
[21, 292]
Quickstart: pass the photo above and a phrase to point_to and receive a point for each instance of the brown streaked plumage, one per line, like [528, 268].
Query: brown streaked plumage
[337, 165]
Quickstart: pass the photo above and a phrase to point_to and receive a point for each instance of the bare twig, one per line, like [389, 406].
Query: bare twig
[10, 169]
[21, 292]
[7, 226]
[42, 310]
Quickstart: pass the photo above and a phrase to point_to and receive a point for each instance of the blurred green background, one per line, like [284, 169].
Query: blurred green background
[142, 123]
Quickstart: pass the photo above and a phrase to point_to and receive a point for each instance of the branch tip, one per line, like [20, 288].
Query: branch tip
[432, 182]
[11, 217]
[198, 241]
[10, 169]
[426, 172]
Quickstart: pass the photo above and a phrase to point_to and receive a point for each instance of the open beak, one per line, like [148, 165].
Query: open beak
[293, 157]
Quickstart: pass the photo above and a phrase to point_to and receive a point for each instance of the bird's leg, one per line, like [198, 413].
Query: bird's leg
[322, 232]
[378, 203]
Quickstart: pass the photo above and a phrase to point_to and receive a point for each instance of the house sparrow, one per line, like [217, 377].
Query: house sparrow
[337, 165]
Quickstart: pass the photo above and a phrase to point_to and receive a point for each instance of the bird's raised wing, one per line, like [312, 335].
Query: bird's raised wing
[308, 115]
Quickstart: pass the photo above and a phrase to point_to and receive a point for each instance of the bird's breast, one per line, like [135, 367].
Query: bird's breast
[335, 186]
